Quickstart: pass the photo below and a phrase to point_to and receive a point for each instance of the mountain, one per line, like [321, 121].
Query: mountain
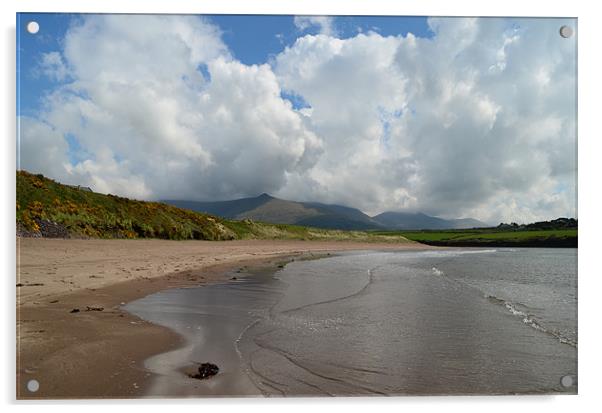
[405, 220]
[225, 209]
[266, 208]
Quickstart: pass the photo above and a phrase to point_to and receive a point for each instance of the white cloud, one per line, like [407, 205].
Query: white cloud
[494, 144]
[478, 121]
[154, 127]
[41, 148]
[325, 24]
[53, 66]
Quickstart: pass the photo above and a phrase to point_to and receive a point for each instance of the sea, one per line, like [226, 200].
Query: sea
[370, 323]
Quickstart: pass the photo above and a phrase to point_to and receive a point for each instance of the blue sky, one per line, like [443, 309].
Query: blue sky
[251, 39]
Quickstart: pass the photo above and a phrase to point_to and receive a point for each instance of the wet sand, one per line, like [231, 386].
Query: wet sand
[96, 354]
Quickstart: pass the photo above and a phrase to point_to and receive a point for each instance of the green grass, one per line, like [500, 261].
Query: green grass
[90, 214]
[106, 216]
[486, 236]
[250, 229]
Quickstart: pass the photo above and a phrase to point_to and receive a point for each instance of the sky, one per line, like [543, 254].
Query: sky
[453, 117]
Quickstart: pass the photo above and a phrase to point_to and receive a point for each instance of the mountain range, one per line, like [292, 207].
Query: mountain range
[266, 208]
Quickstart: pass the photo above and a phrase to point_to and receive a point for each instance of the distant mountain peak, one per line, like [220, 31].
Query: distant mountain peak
[265, 196]
[419, 220]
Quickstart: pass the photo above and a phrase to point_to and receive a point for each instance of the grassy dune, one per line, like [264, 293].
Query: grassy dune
[48, 208]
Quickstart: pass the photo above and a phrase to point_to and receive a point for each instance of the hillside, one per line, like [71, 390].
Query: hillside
[225, 209]
[49, 209]
[52, 209]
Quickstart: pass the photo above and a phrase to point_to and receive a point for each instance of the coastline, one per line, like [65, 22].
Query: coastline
[535, 243]
[100, 354]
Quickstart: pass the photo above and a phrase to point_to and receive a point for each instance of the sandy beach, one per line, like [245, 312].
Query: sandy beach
[76, 350]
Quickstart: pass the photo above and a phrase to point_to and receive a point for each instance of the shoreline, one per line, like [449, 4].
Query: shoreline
[100, 354]
[545, 243]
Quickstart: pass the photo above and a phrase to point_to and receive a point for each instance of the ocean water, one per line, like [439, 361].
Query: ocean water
[495, 321]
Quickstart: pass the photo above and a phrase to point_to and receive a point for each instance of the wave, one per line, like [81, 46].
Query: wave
[437, 271]
[513, 308]
[530, 320]
[455, 252]
[477, 251]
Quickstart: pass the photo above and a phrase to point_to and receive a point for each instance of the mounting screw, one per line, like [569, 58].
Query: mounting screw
[566, 31]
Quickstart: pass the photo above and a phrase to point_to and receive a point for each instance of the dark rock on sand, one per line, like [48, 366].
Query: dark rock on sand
[205, 370]
[75, 310]
[47, 229]
[50, 229]
[94, 308]
[24, 232]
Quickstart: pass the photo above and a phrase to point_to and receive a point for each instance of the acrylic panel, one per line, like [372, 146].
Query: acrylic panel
[273, 205]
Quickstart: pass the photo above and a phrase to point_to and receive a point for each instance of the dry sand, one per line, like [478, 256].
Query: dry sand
[95, 354]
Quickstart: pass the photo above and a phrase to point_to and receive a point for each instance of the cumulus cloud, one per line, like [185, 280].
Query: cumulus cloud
[477, 121]
[155, 127]
[41, 148]
[458, 125]
[325, 24]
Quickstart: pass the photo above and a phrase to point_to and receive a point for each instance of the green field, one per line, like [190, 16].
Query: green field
[491, 236]
[48, 208]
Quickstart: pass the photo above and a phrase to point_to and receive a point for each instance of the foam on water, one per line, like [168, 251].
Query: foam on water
[530, 320]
